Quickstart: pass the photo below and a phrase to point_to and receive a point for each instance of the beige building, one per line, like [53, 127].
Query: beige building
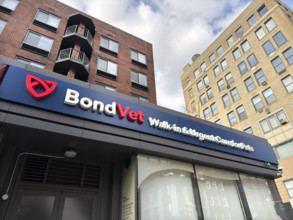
[244, 80]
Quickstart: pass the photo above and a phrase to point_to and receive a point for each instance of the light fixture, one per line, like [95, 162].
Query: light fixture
[70, 153]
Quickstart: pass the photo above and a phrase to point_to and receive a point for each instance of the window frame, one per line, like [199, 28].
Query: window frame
[268, 47]
[267, 98]
[240, 70]
[203, 99]
[261, 80]
[107, 49]
[289, 59]
[216, 67]
[212, 58]
[284, 39]
[106, 73]
[46, 25]
[255, 104]
[233, 119]
[246, 42]
[251, 20]
[220, 51]
[229, 80]
[226, 66]
[136, 61]
[242, 115]
[290, 83]
[261, 12]
[236, 57]
[207, 113]
[214, 109]
[280, 63]
[250, 63]
[222, 86]
[210, 93]
[260, 33]
[230, 41]
[4, 25]
[234, 94]
[197, 85]
[30, 62]
[239, 32]
[248, 86]
[138, 85]
[8, 10]
[269, 28]
[226, 100]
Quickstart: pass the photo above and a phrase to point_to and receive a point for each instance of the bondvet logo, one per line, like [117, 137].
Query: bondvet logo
[33, 82]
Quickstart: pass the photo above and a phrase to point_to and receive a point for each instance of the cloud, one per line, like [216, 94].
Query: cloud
[177, 30]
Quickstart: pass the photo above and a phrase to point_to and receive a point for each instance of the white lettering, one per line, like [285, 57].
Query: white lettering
[85, 103]
[71, 97]
[110, 109]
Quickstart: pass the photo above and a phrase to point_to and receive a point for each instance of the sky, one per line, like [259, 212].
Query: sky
[177, 29]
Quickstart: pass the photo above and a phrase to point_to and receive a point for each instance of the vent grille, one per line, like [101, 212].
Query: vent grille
[60, 172]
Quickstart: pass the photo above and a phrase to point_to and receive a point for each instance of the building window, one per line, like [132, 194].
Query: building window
[107, 68]
[140, 98]
[220, 51]
[230, 41]
[262, 10]
[199, 86]
[241, 112]
[232, 118]
[212, 58]
[252, 20]
[248, 130]
[279, 39]
[113, 89]
[210, 93]
[260, 77]
[188, 82]
[8, 5]
[139, 80]
[285, 150]
[218, 122]
[229, 78]
[46, 20]
[217, 71]
[260, 33]
[2, 25]
[239, 32]
[242, 68]
[235, 95]
[207, 114]
[245, 46]
[38, 43]
[288, 83]
[29, 62]
[273, 121]
[236, 54]
[278, 65]
[226, 101]
[224, 64]
[109, 46]
[206, 81]
[203, 67]
[252, 61]
[289, 187]
[249, 84]
[257, 103]
[203, 99]
[268, 47]
[288, 54]
[270, 24]
[221, 85]
[190, 93]
[214, 108]
[193, 106]
[138, 58]
[196, 73]
[269, 96]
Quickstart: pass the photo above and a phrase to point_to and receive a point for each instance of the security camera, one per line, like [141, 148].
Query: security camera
[280, 169]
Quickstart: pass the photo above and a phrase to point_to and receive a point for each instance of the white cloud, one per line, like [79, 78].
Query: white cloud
[177, 30]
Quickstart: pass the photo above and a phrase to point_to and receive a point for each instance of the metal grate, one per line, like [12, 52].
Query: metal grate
[60, 172]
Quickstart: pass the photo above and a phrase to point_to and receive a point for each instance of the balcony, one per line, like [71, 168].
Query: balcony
[71, 58]
[77, 34]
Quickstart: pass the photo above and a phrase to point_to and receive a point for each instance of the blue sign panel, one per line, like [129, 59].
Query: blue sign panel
[36, 90]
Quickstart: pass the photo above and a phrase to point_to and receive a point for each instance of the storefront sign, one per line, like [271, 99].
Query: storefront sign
[47, 93]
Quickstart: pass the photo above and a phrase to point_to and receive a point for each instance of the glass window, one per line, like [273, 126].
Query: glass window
[9, 4]
[106, 87]
[109, 44]
[229, 78]
[236, 53]
[241, 112]
[278, 65]
[137, 56]
[224, 64]
[242, 68]
[260, 77]
[268, 47]
[139, 78]
[196, 73]
[107, 66]
[234, 94]
[288, 54]
[38, 40]
[230, 41]
[193, 106]
[217, 71]
[279, 39]
[188, 82]
[289, 187]
[249, 84]
[252, 61]
[273, 121]
[218, 122]
[257, 103]
[262, 10]
[199, 86]
[288, 83]
[232, 118]
[206, 81]
[2, 25]
[212, 58]
[190, 93]
[207, 114]
[203, 67]
[210, 93]
[285, 150]
[47, 18]
[140, 98]
[248, 130]
[270, 24]
[203, 99]
[214, 108]
[245, 46]
[226, 101]
[269, 96]
[220, 51]
[221, 84]
[252, 20]
[260, 33]
[264, 126]
[239, 32]
[29, 62]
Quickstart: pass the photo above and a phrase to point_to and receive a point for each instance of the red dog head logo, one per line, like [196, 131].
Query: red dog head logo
[33, 82]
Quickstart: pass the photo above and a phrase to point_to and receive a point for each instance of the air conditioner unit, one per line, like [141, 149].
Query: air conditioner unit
[264, 83]
[267, 110]
[283, 121]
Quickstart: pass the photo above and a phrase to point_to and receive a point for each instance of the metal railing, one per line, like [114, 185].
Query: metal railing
[75, 55]
[84, 32]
